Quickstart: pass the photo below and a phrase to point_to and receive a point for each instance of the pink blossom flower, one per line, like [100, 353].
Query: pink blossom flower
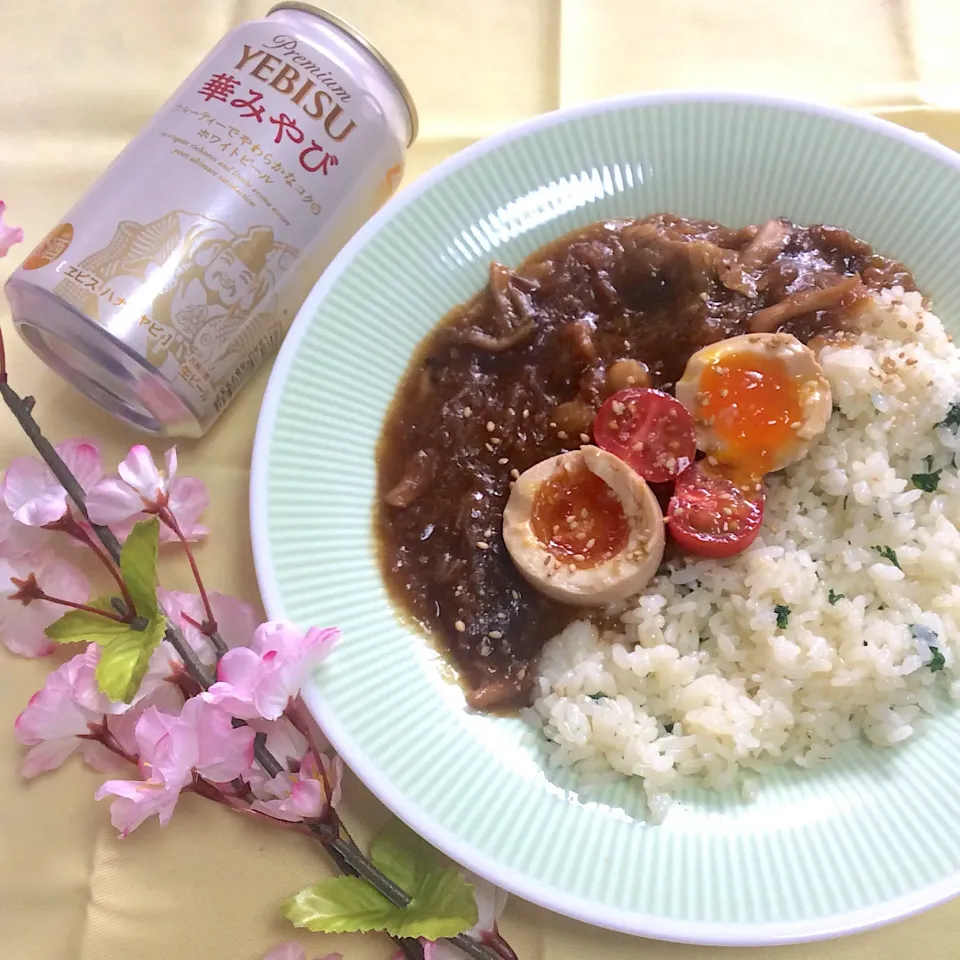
[285, 742]
[236, 620]
[34, 495]
[259, 681]
[137, 800]
[23, 617]
[143, 489]
[17, 539]
[53, 723]
[8, 235]
[293, 951]
[304, 795]
[63, 717]
[200, 740]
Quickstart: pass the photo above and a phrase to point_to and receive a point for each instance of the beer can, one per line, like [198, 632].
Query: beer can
[176, 275]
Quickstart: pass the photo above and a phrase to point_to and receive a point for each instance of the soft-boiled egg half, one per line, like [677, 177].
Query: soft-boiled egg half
[757, 401]
[584, 528]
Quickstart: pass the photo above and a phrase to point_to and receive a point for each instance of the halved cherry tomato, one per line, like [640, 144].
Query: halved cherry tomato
[649, 430]
[711, 515]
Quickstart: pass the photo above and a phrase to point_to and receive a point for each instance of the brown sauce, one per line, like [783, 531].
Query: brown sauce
[515, 375]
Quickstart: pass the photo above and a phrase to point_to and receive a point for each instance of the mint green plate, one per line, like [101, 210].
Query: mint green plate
[864, 840]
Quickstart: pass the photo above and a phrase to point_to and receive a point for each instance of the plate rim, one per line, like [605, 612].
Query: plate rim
[769, 933]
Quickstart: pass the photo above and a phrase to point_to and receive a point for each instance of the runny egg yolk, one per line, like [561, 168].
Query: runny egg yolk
[578, 518]
[751, 402]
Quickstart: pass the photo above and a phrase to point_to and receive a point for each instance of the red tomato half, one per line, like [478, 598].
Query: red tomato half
[712, 516]
[649, 430]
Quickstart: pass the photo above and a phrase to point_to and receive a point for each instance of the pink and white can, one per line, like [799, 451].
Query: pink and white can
[179, 271]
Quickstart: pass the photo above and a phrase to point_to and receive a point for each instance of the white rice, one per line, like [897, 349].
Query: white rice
[700, 653]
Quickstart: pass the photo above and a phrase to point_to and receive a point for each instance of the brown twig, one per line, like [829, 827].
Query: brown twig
[83, 607]
[210, 626]
[345, 853]
[76, 530]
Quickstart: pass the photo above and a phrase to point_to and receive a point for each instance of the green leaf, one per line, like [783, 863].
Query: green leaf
[783, 615]
[80, 625]
[341, 905]
[597, 696]
[442, 905]
[138, 564]
[937, 661]
[125, 659]
[833, 598]
[888, 553]
[927, 481]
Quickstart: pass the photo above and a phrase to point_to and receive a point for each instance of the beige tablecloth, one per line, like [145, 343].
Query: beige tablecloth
[77, 79]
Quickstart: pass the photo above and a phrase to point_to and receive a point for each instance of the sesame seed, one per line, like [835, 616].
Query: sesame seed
[515, 595]
[461, 626]
[511, 411]
[579, 556]
[796, 425]
[724, 392]
[496, 441]
[574, 524]
[483, 545]
[526, 413]
[515, 473]
[572, 567]
[495, 635]
[585, 438]
[503, 460]
[488, 532]
[552, 425]
[556, 528]
[491, 426]
[584, 513]
[562, 434]
[591, 543]
[489, 447]
[467, 411]
[712, 461]
[581, 535]
[501, 615]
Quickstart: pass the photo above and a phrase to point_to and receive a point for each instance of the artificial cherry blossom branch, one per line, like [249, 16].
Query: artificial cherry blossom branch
[22, 409]
[335, 839]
